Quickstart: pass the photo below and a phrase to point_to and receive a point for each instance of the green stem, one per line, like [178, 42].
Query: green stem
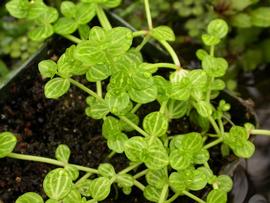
[135, 108]
[215, 142]
[260, 132]
[208, 94]
[137, 128]
[148, 14]
[111, 155]
[171, 51]
[163, 193]
[221, 127]
[130, 168]
[140, 174]
[174, 197]
[105, 23]
[99, 88]
[139, 185]
[83, 178]
[163, 107]
[84, 88]
[72, 38]
[145, 40]
[212, 50]
[197, 199]
[49, 161]
[214, 124]
[139, 33]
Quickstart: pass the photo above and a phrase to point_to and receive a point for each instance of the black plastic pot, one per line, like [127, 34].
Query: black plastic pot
[27, 75]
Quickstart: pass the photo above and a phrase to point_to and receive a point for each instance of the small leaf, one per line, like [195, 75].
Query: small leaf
[218, 28]
[157, 178]
[152, 193]
[180, 160]
[117, 102]
[135, 149]
[98, 108]
[210, 40]
[30, 197]
[241, 20]
[7, 143]
[163, 33]
[111, 3]
[41, 32]
[106, 170]
[199, 180]
[192, 142]
[117, 142]
[217, 196]
[198, 79]
[50, 16]
[36, 9]
[201, 53]
[72, 171]
[143, 96]
[98, 72]
[176, 109]
[56, 88]
[125, 180]
[141, 80]
[132, 117]
[18, 8]
[156, 124]
[110, 127]
[57, 184]
[85, 12]
[84, 31]
[224, 183]
[214, 67]
[176, 182]
[245, 151]
[201, 156]
[68, 9]
[84, 187]
[261, 17]
[62, 153]
[65, 26]
[100, 188]
[203, 108]
[181, 90]
[47, 68]
[73, 197]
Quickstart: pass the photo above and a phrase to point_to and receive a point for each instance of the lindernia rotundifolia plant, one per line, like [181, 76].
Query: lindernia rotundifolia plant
[173, 165]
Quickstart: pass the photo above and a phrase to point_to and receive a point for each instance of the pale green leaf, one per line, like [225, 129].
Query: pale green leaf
[163, 33]
[152, 193]
[199, 180]
[18, 8]
[110, 127]
[143, 96]
[218, 28]
[72, 171]
[135, 149]
[100, 188]
[217, 196]
[117, 142]
[65, 26]
[156, 124]
[98, 108]
[47, 68]
[56, 88]
[106, 170]
[98, 72]
[73, 197]
[125, 180]
[214, 67]
[203, 108]
[85, 12]
[30, 197]
[68, 9]
[62, 153]
[117, 102]
[261, 17]
[7, 143]
[157, 178]
[180, 160]
[41, 32]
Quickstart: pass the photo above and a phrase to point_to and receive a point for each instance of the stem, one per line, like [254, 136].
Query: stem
[165, 65]
[212, 50]
[163, 194]
[174, 197]
[214, 124]
[197, 199]
[140, 174]
[135, 108]
[111, 155]
[215, 142]
[148, 14]
[87, 175]
[221, 127]
[260, 132]
[72, 38]
[139, 185]
[99, 88]
[130, 168]
[49, 161]
[85, 89]
[139, 33]
[105, 23]
[163, 107]
[171, 51]
[137, 128]
[145, 40]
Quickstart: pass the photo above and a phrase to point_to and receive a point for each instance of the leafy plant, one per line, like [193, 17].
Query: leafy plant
[173, 164]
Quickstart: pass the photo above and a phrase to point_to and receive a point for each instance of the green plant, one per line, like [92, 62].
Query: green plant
[173, 164]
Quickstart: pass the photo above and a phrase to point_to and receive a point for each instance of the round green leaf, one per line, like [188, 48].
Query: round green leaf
[117, 142]
[30, 197]
[199, 180]
[106, 170]
[192, 142]
[73, 197]
[163, 33]
[176, 109]
[110, 3]
[57, 184]
[180, 90]
[72, 171]
[180, 160]
[218, 28]
[56, 88]
[176, 182]
[224, 183]
[152, 193]
[156, 124]
[18, 8]
[84, 187]
[141, 80]
[217, 196]
[261, 17]
[7, 143]
[241, 20]
[201, 156]
[85, 12]
[117, 102]
[245, 151]
[50, 16]
[143, 96]
[47, 68]
[98, 72]
[68, 9]
[41, 32]
[110, 127]
[62, 153]
[203, 108]
[210, 40]
[157, 178]
[135, 149]
[125, 180]
[36, 9]
[98, 108]
[100, 188]
[214, 67]
[65, 26]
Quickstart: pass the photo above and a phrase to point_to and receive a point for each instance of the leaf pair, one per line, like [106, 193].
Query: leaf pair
[186, 150]
[237, 140]
[149, 150]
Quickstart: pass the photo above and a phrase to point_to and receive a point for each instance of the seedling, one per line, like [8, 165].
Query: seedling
[173, 165]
